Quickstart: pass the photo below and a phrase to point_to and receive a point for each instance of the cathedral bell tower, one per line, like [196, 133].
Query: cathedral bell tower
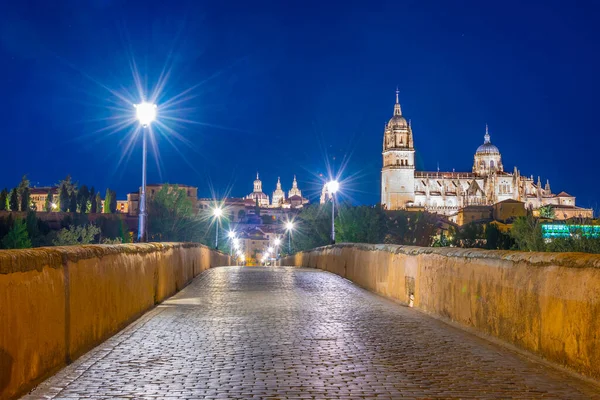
[398, 173]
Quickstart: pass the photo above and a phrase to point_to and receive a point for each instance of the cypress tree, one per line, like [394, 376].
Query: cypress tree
[3, 199]
[48, 202]
[112, 205]
[73, 202]
[98, 203]
[107, 200]
[93, 203]
[25, 199]
[63, 198]
[13, 201]
[83, 195]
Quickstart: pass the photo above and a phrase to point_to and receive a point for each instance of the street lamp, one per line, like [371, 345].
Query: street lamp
[217, 212]
[289, 226]
[145, 114]
[332, 187]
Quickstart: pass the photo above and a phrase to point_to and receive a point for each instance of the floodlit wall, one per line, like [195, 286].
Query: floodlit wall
[546, 303]
[56, 303]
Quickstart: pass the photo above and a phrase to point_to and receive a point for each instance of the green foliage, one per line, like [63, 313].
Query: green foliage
[24, 193]
[171, 216]
[112, 228]
[313, 227]
[83, 196]
[17, 237]
[547, 212]
[362, 224]
[112, 204]
[98, 203]
[410, 228]
[107, 201]
[495, 239]
[48, 202]
[4, 199]
[241, 214]
[63, 199]
[73, 202]
[93, 201]
[13, 201]
[527, 234]
[37, 230]
[469, 236]
[76, 235]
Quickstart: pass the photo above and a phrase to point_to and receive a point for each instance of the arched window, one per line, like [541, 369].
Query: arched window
[492, 164]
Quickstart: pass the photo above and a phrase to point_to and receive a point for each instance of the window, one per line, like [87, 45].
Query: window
[492, 164]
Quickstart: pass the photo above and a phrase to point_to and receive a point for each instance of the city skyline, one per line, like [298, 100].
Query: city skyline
[453, 79]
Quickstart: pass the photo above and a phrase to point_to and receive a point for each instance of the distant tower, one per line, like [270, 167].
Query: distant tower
[294, 191]
[398, 173]
[278, 195]
[257, 184]
[487, 157]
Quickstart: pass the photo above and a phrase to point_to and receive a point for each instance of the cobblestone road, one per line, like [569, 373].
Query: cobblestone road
[246, 333]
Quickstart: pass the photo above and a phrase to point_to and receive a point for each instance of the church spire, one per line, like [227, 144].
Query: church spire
[397, 110]
[487, 135]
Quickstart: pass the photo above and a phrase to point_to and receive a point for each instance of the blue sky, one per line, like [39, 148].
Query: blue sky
[288, 88]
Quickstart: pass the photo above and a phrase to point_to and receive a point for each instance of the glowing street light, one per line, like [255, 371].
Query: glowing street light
[289, 227]
[217, 213]
[270, 250]
[332, 187]
[277, 242]
[54, 206]
[145, 114]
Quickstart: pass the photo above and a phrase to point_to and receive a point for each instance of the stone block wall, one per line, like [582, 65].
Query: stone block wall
[57, 303]
[545, 303]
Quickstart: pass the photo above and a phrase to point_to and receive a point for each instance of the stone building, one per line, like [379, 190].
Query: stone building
[278, 195]
[257, 195]
[403, 187]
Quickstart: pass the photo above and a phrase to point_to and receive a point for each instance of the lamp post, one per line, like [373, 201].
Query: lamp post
[289, 226]
[217, 212]
[232, 238]
[145, 113]
[332, 187]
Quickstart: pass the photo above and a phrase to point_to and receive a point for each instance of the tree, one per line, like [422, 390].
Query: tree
[171, 216]
[313, 227]
[63, 199]
[362, 224]
[24, 193]
[107, 201]
[13, 201]
[3, 199]
[48, 202]
[93, 203]
[112, 204]
[469, 236]
[17, 237]
[83, 196]
[547, 212]
[527, 233]
[73, 202]
[76, 235]
[495, 239]
[98, 203]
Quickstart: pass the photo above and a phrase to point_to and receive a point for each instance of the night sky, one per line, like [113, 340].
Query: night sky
[287, 88]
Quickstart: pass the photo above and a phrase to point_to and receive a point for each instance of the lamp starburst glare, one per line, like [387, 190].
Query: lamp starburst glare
[145, 113]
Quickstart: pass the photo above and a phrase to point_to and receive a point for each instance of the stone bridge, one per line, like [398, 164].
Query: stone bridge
[333, 325]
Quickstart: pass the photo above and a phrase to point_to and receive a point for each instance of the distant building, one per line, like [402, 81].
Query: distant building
[262, 199]
[403, 187]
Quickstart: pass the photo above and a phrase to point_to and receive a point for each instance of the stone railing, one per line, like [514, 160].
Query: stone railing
[545, 303]
[56, 303]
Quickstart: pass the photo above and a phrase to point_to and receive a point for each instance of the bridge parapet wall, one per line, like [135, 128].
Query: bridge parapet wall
[545, 303]
[56, 303]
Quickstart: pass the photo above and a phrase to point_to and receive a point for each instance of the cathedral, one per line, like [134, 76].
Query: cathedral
[403, 187]
[279, 200]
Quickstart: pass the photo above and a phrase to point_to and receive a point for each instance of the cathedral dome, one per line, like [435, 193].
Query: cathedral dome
[487, 147]
[398, 121]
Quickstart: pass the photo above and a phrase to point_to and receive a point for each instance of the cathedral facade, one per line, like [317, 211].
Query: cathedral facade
[279, 200]
[403, 187]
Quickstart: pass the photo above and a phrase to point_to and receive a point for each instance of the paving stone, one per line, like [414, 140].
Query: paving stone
[290, 333]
